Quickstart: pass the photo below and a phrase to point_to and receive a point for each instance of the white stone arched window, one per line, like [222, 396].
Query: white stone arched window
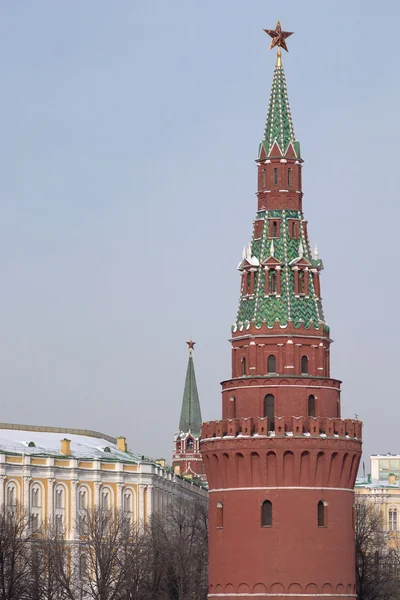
[106, 498]
[36, 506]
[60, 508]
[83, 503]
[12, 494]
[128, 503]
[393, 518]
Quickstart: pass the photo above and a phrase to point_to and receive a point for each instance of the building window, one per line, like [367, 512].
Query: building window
[293, 230]
[275, 176]
[35, 500]
[311, 406]
[304, 365]
[220, 514]
[393, 519]
[34, 522]
[243, 366]
[263, 178]
[190, 444]
[271, 364]
[82, 499]
[269, 409]
[232, 407]
[59, 524]
[127, 502]
[272, 281]
[248, 283]
[59, 498]
[322, 514]
[274, 229]
[11, 495]
[105, 500]
[289, 177]
[266, 514]
[301, 282]
[83, 566]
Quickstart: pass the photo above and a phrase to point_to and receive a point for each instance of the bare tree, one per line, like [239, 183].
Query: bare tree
[376, 570]
[180, 538]
[14, 548]
[100, 553]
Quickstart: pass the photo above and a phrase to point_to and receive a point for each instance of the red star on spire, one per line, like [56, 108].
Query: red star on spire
[191, 345]
[278, 36]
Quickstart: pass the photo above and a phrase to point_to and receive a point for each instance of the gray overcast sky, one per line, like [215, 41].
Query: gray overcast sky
[129, 131]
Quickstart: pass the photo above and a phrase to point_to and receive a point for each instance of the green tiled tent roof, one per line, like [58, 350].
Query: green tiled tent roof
[260, 309]
[190, 414]
[279, 125]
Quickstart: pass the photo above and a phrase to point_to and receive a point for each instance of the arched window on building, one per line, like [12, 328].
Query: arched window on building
[83, 566]
[269, 409]
[293, 233]
[232, 407]
[249, 283]
[289, 177]
[304, 365]
[11, 495]
[105, 500]
[243, 363]
[271, 364]
[263, 178]
[190, 444]
[311, 406]
[393, 519]
[82, 499]
[272, 281]
[59, 498]
[322, 514]
[220, 514]
[266, 514]
[275, 176]
[301, 282]
[35, 497]
[274, 229]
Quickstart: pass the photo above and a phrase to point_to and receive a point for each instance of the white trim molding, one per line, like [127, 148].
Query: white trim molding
[282, 487]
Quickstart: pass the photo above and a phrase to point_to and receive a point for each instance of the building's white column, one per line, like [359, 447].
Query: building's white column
[119, 497]
[50, 500]
[74, 512]
[149, 502]
[26, 503]
[96, 498]
[141, 503]
[2, 494]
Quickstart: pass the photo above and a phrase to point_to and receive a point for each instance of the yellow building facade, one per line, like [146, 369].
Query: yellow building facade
[382, 488]
[55, 474]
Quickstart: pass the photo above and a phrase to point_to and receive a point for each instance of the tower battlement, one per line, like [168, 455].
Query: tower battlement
[290, 427]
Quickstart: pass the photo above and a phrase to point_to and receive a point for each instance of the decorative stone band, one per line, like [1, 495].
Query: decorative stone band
[323, 427]
[280, 488]
[262, 595]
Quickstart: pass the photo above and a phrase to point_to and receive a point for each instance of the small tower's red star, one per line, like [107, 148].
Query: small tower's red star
[278, 37]
[191, 345]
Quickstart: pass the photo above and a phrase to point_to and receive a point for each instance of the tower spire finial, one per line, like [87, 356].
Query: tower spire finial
[191, 346]
[278, 39]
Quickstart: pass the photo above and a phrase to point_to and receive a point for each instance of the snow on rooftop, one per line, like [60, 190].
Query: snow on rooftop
[49, 442]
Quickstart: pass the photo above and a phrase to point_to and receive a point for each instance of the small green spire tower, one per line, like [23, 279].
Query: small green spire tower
[187, 459]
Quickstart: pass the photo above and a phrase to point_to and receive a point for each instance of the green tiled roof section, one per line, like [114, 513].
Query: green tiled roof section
[259, 309]
[190, 413]
[279, 125]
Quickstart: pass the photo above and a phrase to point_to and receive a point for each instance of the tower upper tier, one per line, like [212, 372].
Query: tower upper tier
[280, 282]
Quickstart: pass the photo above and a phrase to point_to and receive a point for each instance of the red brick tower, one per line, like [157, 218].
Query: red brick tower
[281, 464]
[186, 459]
